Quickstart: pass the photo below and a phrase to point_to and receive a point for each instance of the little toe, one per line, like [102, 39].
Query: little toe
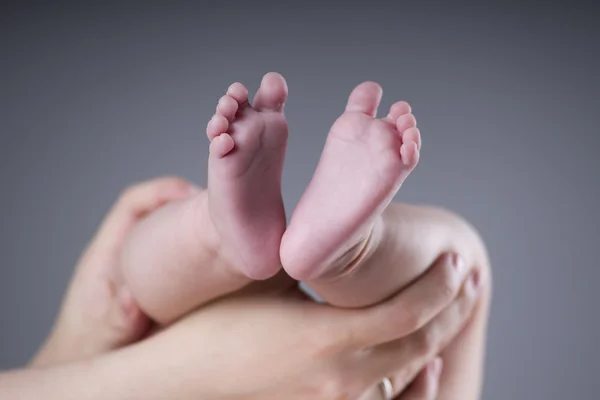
[405, 122]
[272, 93]
[217, 125]
[398, 109]
[221, 145]
[239, 93]
[409, 154]
[227, 107]
[412, 135]
[365, 98]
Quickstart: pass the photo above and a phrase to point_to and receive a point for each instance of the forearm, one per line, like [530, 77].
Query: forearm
[92, 379]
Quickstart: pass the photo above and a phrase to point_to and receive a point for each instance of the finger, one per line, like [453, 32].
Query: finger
[137, 201]
[145, 196]
[124, 320]
[423, 387]
[412, 308]
[411, 353]
[426, 384]
[109, 317]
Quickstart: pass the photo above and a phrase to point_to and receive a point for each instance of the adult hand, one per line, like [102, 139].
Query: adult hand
[425, 386]
[271, 347]
[95, 317]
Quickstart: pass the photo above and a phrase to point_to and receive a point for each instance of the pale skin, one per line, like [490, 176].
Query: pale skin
[195, 250]
[236, 231]
[402, 335]
[271, 345]
[384, 246]
[94, 305]
[217, 242]
[345, 238]
[395, 237]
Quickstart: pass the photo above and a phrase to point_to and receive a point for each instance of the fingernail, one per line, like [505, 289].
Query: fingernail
[457, 262]
[474, 282]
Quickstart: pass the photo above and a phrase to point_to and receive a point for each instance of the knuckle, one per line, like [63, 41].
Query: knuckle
[407, 319]
[320, 343]
[403, 378]
[426, 341]
[448, 283]
[330, 335]
[335, 387]
[470, 233]
[327, 343]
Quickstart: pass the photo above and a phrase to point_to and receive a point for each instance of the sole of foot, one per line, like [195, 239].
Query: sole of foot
[364, 163]
[247, 151]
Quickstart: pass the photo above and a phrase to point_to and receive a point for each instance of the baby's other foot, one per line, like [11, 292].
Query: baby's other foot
[363, 165]
[247, 151]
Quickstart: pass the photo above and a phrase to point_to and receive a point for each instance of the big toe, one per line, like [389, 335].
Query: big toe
[365, 98]
[272, 93]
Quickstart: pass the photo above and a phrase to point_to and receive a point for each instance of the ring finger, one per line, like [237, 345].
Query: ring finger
[426, 385]
[410, 354]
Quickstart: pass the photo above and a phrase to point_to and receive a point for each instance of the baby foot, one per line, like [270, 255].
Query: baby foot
[247, 152]
[363, 164]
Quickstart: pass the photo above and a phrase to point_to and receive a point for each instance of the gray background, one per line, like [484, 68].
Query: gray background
[95, 98]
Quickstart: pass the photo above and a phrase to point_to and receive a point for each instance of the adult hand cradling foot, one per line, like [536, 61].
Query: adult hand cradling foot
[278, 345]
[274, 347]
[419, 286]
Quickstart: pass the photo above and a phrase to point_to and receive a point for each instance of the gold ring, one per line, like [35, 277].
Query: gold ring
[386, 388]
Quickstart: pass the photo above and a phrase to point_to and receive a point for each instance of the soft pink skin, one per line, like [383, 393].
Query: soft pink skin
[363, 165]
[363, 249]
[247, 153]
[198, 249]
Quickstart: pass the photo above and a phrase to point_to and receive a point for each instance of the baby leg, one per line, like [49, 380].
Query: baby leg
[192, 251]
[405, 240]
[363, 165]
